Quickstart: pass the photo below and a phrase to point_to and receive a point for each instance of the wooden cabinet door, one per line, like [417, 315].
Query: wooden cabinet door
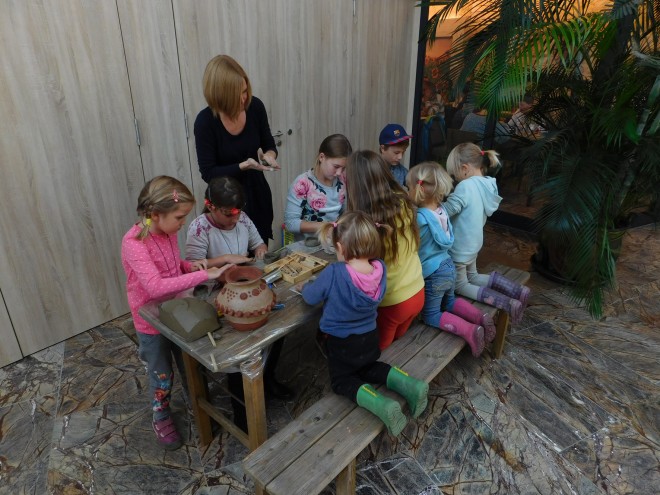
[149, 39]
[9, 350]
[70, 167]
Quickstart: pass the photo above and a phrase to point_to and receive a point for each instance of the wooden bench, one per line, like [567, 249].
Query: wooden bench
[323, 443]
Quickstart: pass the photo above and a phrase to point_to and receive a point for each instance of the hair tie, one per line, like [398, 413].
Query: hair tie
[207, 203]
[175, 195]
[377, 225]
[334, 225]
[482, 152]
[420, 182]
[147, 222]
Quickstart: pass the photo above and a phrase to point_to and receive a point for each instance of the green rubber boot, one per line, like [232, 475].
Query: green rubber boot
[415, 391]
[388, 410]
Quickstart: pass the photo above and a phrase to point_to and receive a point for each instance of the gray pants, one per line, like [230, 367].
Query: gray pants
[468, 280]
[156, 351]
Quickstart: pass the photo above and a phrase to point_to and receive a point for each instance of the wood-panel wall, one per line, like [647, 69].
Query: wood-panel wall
[77, 73]
[319, 69]
[69, 164]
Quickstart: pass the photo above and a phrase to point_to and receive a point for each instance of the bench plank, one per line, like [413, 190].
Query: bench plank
[278, 463]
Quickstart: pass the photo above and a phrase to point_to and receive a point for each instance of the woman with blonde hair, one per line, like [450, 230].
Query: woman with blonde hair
[233, 138]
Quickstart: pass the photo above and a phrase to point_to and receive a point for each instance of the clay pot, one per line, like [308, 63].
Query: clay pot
[245, 300]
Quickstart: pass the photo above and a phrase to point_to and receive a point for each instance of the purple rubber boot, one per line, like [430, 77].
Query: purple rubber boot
[509, 288]
[471, 313]
[493, 298]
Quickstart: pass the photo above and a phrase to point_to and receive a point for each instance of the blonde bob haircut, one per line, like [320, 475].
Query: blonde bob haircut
[223, 84]
[428, 182]
[357, 233]
[162, 194]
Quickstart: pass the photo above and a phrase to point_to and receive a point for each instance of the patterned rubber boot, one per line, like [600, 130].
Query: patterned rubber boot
[471, 313]
[473, 334]
[388, 410]
[493, 298]
[509, 288]
[415, 391]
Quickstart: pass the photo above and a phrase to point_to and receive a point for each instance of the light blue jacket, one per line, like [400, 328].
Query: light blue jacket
[472, 202]
[434, 241]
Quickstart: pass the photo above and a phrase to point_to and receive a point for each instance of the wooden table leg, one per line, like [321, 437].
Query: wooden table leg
[502, 330]
[197, 390]
[255, 404]
[345, 482]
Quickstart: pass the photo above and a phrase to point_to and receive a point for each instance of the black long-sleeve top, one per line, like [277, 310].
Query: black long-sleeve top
[219, 153]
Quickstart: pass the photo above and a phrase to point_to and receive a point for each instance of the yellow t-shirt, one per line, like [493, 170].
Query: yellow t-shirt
[404, 279]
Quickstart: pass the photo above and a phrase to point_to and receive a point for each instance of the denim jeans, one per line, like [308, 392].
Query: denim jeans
[157, 352]
[439, 292]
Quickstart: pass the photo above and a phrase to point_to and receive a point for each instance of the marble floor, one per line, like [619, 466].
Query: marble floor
[573, 406]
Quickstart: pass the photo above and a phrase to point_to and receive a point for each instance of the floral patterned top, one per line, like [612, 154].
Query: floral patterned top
[310, 200]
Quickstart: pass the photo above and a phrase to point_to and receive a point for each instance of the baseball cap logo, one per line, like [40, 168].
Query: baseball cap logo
[397, 132]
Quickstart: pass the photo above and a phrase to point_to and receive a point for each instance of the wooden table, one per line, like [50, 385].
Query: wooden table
[236, 351]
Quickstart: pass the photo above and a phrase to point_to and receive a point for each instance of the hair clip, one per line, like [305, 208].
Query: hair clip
[420, 182]
[482, 152]
[175, 195]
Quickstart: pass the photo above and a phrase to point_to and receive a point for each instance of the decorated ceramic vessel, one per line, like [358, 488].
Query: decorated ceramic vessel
[245, 300]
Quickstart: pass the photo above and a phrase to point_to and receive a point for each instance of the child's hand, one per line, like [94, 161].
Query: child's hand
[260, 252]
[236, 259]
[216, 272]
[199, 265]
[299, 286]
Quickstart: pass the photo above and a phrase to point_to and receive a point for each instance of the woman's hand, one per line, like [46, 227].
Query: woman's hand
[260, 251]
[215, 272]
[269, 159]
[199, 265]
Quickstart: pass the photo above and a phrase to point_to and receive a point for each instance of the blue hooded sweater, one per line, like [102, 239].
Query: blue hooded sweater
[472, 202]
[434, 241]
[347, 310]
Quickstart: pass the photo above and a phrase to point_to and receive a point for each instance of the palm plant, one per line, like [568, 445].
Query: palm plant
[596, 74]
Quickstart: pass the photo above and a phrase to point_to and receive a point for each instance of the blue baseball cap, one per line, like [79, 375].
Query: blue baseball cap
[393, 134]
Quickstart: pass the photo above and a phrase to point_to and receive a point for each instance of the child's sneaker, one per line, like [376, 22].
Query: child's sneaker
[166, 433]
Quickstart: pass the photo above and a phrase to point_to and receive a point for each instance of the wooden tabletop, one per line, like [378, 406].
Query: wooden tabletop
[233, 347]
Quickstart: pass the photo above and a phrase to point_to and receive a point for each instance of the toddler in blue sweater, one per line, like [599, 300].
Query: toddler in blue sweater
[351, 290]
[428, 185]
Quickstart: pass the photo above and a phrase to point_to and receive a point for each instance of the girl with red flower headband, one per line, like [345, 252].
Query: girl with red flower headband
[223, 234]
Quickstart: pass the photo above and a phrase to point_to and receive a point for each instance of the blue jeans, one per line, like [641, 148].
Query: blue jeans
[439, 293]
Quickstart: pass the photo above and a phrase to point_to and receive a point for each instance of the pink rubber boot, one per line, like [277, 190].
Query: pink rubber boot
[472, 314]
[471, 333]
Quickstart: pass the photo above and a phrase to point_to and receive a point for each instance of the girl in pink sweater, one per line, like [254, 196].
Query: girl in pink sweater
[155, 272]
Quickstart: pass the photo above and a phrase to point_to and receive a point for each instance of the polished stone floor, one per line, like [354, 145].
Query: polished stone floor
[573, 406]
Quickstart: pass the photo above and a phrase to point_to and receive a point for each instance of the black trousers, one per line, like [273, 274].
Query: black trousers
[353, 361]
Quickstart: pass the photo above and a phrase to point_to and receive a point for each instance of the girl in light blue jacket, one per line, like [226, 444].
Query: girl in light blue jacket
[474, 199]
[428, 185]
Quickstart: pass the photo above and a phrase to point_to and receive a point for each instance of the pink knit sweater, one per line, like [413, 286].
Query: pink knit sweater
[154, 272]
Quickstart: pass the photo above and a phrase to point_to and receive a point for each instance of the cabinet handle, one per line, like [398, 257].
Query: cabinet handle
[137, 131]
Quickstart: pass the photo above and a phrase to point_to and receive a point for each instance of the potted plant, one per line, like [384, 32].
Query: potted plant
[596, 75]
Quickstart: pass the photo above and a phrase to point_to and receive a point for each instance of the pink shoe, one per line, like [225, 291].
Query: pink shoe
[490, 330]
[166, 433]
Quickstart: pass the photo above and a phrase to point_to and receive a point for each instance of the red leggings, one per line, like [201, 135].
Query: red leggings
[393, 321]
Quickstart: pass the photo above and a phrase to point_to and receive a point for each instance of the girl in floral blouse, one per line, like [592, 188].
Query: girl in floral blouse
[318, 195]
